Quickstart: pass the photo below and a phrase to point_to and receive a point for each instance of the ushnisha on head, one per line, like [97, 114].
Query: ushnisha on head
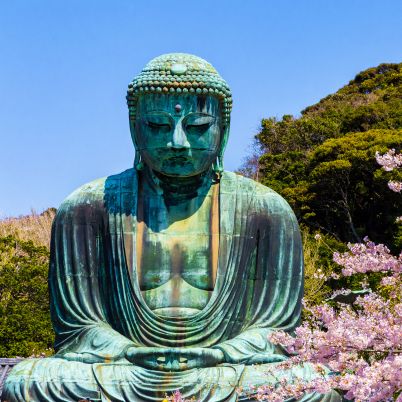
[179, 110]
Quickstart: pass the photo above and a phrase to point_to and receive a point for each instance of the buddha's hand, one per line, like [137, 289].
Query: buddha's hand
[88, 358]
[174, 359]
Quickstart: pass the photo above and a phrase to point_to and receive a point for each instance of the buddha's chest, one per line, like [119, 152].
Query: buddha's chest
[173, 254]
[177, 256]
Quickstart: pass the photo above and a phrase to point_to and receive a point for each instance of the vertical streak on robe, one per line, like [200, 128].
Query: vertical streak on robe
[214, 225]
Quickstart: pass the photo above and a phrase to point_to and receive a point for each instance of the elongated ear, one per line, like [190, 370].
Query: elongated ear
[132, 114]
[138, 164]
[218, 164]
[132, 131]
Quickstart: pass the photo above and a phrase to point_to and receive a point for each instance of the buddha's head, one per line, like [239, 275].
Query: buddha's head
[179, 110]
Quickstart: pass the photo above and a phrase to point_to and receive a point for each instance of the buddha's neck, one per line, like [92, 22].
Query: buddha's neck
[178, 190]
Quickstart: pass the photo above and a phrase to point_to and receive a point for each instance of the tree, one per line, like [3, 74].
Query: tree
[338, 188]
[25, 327]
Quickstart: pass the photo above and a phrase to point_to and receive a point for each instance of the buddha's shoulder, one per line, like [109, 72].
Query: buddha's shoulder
[97, 192]
[236, 182]
[254, 191]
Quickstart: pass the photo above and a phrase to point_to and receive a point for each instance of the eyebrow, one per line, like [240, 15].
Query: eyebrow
[184, 115]
[157, 111]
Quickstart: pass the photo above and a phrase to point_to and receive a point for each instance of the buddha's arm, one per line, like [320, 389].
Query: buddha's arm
[251, 347]
[277, 284]
[77, 307]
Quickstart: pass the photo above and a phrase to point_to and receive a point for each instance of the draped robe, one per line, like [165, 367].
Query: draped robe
[98, 311]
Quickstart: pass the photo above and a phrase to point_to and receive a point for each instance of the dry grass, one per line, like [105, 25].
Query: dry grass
[35, 227]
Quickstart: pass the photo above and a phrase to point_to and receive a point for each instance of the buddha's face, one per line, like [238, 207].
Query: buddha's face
[178, 135]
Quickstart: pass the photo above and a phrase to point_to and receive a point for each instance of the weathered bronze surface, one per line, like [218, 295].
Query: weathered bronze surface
[170, 275]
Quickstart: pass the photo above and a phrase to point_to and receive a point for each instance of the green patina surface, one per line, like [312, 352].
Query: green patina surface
[172, 274]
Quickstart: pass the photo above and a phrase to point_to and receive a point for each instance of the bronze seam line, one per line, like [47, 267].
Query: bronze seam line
[215, 232]
[140, 233]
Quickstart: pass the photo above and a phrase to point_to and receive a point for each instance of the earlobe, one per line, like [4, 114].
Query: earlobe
[217, 168]
[138, 164]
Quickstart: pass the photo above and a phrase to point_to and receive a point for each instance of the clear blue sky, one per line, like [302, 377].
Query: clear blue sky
[65, 66]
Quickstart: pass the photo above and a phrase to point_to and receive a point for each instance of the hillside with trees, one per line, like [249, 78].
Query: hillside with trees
[323, 162]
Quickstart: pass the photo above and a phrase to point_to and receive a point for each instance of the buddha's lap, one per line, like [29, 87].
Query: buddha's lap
[78, 380]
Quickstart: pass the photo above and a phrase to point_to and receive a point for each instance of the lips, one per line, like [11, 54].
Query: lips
[178, 159]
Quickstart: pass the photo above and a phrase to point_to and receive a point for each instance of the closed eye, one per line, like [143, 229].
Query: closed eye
[198, 127]
[155, 125]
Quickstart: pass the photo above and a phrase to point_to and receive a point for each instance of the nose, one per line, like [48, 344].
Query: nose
[179, 139]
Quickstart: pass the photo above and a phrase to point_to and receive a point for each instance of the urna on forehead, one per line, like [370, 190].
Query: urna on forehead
[178, 74]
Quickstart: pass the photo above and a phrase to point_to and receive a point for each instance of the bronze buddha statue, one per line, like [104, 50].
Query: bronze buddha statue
[170, 275]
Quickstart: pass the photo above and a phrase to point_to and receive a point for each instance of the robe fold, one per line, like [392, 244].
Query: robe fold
[98, 311]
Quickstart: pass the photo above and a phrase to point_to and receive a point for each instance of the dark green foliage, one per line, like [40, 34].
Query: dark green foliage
[350, 194]
[338, 186]
[25, 327]
[324, 163]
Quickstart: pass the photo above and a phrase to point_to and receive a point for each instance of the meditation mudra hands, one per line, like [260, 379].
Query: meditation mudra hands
[174, 359]
[161, 359]
[154, 358]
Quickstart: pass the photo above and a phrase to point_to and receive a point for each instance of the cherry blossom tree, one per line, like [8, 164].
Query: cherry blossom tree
[361, 342]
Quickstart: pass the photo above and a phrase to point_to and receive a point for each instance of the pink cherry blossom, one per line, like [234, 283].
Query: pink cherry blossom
[367, 257]
[361, 344]
[395, 186]
[389, 160]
